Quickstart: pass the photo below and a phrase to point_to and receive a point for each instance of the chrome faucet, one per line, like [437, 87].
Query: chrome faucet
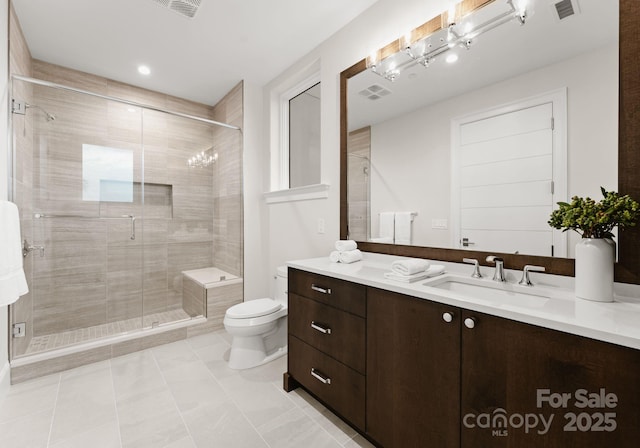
[525, 274]
[498, 275]
[476, 267]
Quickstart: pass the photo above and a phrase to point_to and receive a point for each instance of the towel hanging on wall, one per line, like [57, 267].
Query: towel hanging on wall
[387, 223]
[13, 282]
[403, 222]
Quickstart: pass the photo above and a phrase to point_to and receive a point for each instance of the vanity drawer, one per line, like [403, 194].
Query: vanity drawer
[347, 296]
[330, 330]
[338, 386]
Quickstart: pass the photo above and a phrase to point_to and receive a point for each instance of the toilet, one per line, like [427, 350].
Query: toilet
[259, 327]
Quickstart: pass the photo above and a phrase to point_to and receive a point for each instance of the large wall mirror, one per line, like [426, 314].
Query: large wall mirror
[468, 157]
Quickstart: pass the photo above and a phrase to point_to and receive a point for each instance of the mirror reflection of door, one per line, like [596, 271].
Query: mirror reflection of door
[510, 166]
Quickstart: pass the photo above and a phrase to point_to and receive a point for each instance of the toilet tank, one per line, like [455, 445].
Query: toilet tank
[280, 294]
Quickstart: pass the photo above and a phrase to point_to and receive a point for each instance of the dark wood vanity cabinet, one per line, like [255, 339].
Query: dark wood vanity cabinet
[409, 372]
[413, 372]
[327, 343]
[587, 391]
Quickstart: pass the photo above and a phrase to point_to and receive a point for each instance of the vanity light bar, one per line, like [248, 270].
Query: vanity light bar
[390, 69]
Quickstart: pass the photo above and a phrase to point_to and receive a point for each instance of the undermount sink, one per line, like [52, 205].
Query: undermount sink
[491, 291]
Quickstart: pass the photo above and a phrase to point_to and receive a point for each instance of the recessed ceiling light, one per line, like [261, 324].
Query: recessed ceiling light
[144, 70]
[452, 58]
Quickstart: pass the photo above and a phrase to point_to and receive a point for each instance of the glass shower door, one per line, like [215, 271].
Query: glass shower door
[79, 187]
[178, 218]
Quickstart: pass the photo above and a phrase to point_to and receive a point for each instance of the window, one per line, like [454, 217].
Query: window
[304, 138]
[107, 174]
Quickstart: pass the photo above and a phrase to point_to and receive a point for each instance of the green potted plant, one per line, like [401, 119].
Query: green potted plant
[595, 254]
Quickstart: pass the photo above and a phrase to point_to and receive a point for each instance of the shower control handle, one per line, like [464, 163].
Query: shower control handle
[26, 248]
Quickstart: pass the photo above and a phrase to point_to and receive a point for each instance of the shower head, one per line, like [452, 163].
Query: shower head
[47, 114]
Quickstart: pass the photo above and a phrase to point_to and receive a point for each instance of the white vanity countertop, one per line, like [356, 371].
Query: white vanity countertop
[617, 322]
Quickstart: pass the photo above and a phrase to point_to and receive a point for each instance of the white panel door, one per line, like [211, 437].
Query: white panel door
[505, 178]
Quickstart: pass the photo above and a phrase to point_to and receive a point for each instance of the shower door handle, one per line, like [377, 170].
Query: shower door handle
[133, 225]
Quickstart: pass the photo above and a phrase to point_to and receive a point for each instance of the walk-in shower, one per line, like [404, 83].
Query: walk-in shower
[113, 213]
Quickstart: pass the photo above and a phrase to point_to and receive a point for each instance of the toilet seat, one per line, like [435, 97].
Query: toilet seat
[253, 308]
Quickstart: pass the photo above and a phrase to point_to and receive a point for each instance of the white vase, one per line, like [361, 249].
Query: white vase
[595, 258]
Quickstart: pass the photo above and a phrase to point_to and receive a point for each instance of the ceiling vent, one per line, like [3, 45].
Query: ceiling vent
[375, 92]
[187, 8]
[565, 8]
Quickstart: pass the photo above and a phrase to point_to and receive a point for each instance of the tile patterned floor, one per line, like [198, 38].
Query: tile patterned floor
[180, 395]
[66, 338]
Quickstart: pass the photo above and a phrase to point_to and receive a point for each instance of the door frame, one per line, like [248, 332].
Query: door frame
[558, 98]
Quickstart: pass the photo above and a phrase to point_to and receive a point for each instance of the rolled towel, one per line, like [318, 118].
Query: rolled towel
[410, 266]
[350, 256]
[345, 245]
[334, 256]
[406, 278]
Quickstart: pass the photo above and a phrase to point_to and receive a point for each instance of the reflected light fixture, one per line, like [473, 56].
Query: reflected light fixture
[459, 32]
[144, 70]
[203, 159]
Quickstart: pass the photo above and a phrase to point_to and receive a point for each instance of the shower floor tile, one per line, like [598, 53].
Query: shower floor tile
[64, 339]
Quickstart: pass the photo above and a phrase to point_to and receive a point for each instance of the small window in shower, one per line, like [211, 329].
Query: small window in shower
[107, 174]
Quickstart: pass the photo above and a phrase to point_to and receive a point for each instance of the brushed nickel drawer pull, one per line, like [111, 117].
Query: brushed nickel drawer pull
[321, 289]
[320, 377]
[320, 328]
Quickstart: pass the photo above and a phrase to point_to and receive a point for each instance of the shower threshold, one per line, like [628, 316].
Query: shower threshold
[44, 343]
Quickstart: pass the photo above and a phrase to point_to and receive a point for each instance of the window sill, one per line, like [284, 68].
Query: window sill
[318, 191]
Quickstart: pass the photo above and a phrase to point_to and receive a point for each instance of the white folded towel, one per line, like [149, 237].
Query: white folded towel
[345, 245]
[13, 283]
[433, 270]
[334, 256]
[350, 256]
[409, 266]
[406, 278]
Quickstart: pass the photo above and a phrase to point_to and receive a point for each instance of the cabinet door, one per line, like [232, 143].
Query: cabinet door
[413, 362]
[515, 375]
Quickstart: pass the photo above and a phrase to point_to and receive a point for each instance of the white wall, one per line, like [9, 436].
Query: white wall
[293, 226]
[4, 73]
[410, 155]
[256, 235]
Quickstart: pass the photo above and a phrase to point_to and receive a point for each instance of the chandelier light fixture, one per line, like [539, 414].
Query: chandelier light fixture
[203, 159]
[455, 32]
